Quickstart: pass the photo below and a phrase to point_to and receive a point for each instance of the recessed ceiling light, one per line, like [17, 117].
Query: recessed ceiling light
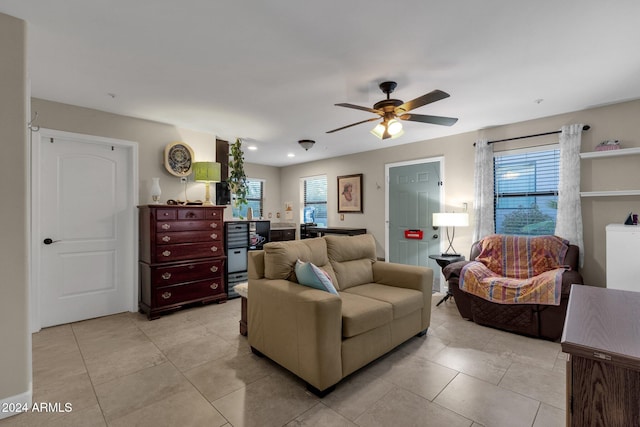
[291, 155]
[252, 147]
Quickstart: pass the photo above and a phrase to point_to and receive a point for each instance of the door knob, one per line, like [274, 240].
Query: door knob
[49, 241]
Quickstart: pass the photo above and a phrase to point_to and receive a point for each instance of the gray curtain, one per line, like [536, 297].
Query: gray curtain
[569, 216]
[483, 191]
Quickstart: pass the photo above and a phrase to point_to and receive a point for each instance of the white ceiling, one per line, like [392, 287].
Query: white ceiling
[270, 72]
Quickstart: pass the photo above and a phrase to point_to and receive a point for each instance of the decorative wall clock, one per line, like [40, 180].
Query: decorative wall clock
[178, 158]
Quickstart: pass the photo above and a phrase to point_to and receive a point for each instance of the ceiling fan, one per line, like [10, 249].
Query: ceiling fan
[393, 109]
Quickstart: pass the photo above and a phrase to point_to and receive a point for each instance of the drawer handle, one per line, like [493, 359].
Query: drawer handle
[166, 276]
[190, 214]
[166, 253]
[166, 214]
[166, 226]
[214, 249]
[166, 295]
[214, 225]
[214, 269]
[214, 286]
[214, 236]
[166, 238]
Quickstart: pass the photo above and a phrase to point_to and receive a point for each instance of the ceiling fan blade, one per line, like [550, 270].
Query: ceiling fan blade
[435, 120]
[428, 98]
[353, 124]
[358, 107]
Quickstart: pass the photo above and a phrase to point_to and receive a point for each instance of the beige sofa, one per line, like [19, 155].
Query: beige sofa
[322, 337]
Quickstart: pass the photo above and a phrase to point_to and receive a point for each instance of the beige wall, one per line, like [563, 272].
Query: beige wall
[151, 137]
[609, 122]
[15, 340]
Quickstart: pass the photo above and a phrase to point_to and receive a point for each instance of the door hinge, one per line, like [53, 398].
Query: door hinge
[51, 140]
[440, 183]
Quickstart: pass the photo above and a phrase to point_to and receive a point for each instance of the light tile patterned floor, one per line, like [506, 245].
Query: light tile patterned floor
[192, 368]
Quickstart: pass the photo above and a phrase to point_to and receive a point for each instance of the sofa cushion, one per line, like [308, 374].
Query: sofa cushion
[361, 314]
[403, 301]
[351, 258]
[310, 275]
[280, 258]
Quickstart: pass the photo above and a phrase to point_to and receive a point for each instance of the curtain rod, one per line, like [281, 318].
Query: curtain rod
[584, 128]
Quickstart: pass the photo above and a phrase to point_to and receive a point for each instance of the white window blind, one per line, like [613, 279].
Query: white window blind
[526, 191]
[315, 200]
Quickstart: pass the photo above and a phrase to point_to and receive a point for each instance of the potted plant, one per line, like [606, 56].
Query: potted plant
[237, 178]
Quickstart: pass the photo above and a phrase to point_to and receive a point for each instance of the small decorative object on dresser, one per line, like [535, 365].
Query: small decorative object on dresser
[182, 257]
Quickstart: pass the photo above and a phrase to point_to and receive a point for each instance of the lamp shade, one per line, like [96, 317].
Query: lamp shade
[206, 171]
[450, 219]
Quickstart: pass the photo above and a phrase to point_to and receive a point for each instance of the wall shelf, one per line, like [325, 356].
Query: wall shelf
[604, 154]
[610, 153]
[609, 193]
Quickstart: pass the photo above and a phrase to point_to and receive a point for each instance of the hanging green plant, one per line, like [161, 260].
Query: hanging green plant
[237, 177]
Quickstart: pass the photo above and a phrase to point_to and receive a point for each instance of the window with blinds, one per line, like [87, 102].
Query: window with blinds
[315, 200]
[255, 193]
[526, 191]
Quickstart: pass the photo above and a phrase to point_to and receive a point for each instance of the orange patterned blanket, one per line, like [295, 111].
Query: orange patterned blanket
[517, 270]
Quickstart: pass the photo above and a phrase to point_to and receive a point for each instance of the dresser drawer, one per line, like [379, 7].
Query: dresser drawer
[190, 292]
[166, 214]
[166, 226]
[168, 253]
[164, 276]
[191, 214]
[187, 237]
[213, 213]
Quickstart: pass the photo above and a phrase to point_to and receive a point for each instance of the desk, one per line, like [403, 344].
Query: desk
[443, 261]
[602, 337]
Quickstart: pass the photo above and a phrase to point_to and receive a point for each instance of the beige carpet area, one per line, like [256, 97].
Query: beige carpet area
[192, 368]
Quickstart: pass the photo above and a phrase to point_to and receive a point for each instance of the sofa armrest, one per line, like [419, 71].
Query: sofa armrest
[298, 327]
[403, 276]
[410, 277]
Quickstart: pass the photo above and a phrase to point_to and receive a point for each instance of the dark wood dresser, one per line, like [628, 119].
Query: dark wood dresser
[602, 336]
[182, 257]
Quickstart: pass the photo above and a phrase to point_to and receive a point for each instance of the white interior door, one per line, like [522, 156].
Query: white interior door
[413, 196]
[86, 229]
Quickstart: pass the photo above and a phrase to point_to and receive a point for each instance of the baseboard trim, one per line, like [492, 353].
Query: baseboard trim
[19, 401]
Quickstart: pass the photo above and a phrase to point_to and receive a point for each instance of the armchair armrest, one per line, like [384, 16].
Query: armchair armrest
[298, 327]
[452, 271]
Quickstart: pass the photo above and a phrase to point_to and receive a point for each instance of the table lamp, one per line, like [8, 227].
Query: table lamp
[206, 172]
[453, 220]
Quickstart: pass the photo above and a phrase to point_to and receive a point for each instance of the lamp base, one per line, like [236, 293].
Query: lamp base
[207, 196]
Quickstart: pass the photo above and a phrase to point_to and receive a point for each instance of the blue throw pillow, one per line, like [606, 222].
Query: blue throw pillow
[314, 277]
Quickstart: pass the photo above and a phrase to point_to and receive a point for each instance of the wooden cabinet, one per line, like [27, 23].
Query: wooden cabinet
[602, 337]
[182, 257]
[282, 234]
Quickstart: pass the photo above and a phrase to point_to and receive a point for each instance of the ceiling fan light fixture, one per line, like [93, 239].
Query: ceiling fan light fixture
[306, 143]
[395, 128]
[379, 130]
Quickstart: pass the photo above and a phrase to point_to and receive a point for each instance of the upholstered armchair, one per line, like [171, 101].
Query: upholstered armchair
[542, 317]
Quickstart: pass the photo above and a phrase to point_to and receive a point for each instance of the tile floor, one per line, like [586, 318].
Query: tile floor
[192, 368]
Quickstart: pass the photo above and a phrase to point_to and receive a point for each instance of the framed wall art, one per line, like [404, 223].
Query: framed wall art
[178, 159]
[350, 193]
